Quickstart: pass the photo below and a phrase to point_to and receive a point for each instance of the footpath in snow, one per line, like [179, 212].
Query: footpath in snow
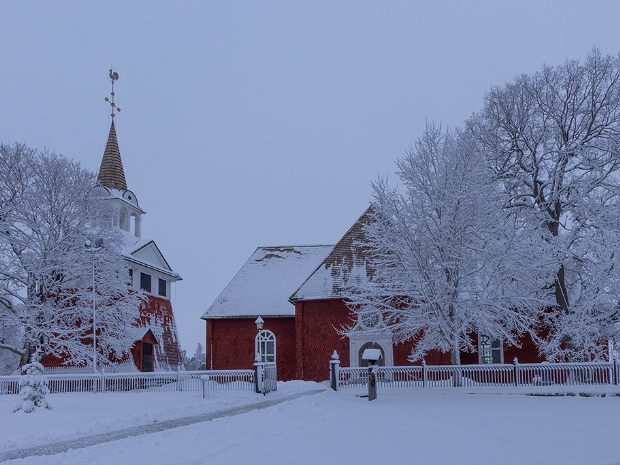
[80, 415]
[154, 427]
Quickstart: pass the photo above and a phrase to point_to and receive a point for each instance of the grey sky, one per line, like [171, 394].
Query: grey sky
[247, 124]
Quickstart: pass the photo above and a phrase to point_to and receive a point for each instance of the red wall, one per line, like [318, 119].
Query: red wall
[230, 344]
[157, 312]
[154, 312]
[316, 325]
[305, 343]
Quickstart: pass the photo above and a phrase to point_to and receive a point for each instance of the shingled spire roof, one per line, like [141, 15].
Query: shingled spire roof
[111, 173]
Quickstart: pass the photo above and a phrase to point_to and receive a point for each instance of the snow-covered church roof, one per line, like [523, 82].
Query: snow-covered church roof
[146, 253]
[262, 286]
[347, 263]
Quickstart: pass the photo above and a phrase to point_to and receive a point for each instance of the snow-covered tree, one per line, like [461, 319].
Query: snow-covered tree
[48, 211]
[554, 140]
[198, 360]
[447, 261]
[11, 333]
[32, 390]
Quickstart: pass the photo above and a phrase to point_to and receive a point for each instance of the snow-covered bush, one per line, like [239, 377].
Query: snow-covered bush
[32, 389]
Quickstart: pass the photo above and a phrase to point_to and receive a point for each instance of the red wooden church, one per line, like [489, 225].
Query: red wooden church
[298, 292]
[156, 344]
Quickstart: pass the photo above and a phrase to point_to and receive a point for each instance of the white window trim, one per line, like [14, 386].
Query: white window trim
[263, 337]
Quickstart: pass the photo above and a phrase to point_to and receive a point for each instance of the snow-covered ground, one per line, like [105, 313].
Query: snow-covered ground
[413, 426]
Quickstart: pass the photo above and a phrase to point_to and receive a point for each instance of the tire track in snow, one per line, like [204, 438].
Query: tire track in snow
[87, 441]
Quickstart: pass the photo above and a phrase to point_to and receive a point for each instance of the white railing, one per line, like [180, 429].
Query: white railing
[529, 374]
[270, 382]
[237, 380]
[265, 374]
[226, 380]
[9, 384]
[567, 374]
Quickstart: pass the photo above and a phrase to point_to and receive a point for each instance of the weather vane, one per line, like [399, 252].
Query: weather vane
[112, 77]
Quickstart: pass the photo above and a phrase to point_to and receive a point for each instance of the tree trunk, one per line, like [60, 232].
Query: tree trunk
[455, 359]
[561, 296]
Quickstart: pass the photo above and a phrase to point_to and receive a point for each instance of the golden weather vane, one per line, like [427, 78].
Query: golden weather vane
[112, 77]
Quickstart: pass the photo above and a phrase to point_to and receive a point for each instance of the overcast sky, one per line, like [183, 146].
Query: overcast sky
[260, 123]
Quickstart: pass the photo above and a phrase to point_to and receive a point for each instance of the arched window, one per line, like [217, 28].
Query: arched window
[265, 344]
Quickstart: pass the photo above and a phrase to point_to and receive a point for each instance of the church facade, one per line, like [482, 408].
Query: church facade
[299, 294]
[156, 346]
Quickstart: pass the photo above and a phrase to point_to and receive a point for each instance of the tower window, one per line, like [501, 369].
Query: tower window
[145, 282]
[162, 287]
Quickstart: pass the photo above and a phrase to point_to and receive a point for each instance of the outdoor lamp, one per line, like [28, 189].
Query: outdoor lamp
[259, 323]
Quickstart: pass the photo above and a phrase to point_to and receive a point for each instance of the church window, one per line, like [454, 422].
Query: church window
[370, 319]
[490, 350]
[145, 282]
[162, 287]
[265, 346]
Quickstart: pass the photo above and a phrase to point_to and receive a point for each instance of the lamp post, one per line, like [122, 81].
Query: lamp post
[259, 327]
[258, 360]
[92, 248]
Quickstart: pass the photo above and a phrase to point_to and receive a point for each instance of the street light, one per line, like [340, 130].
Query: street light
[259, 326]
[92, 249]
[259, 323]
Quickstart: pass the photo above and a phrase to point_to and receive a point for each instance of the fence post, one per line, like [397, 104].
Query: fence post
[205, 385]
[423, 373]
[258, 374]
[615, 371]
[516, 362]
[179, 380]
[334, 368]
[103, 380]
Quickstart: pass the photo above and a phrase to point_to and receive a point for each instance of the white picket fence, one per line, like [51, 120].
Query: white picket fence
[213, 380]
[527, 374]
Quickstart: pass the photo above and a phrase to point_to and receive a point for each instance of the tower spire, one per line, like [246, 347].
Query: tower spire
[111, 173]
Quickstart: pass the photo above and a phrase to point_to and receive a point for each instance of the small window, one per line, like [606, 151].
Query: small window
[145, 282]
[490, 350]
[162, 287]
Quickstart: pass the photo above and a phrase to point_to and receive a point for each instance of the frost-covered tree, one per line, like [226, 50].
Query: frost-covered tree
[447, 261]
[554, 141]
[33, 389]
[11, 334]
[48, 211]
[197, 361]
